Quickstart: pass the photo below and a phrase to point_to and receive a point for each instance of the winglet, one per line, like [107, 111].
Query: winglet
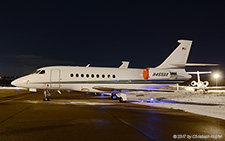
[124, 64]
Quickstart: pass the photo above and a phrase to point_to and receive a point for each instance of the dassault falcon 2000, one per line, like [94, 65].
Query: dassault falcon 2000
[115, 81]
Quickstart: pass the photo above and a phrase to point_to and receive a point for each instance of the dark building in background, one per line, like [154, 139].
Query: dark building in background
[6, 81]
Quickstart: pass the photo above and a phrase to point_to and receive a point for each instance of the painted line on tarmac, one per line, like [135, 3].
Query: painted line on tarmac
[64, 102]
[21, 97]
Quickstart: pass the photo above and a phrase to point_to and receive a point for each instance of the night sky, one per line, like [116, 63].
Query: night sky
[103, 33]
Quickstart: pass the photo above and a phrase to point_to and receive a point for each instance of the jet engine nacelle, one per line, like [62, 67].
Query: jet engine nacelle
[206, 83]
[194, 83]
[155, 74]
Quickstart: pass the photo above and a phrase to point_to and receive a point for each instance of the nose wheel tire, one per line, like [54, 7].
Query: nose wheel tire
[46, 99]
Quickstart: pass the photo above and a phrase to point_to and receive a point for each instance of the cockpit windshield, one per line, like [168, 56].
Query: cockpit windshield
[42, 72]
[36, 71]
[33, 72]
[39, 72]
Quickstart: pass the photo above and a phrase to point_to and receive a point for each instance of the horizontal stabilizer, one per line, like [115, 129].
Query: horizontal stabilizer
[195, 65]
[207, 72]
[200, 65]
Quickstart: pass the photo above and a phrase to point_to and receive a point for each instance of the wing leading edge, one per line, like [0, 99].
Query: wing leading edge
[112, 89]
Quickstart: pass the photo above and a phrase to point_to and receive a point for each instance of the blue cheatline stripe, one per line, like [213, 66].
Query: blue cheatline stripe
[115, 82]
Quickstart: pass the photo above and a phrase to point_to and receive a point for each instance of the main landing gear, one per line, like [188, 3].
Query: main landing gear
[122, 97]
[114, 96]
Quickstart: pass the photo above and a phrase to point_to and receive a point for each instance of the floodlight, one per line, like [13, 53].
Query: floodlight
[216, 75]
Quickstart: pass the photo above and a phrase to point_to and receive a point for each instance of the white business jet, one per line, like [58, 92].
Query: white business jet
[110, 80]
[203, 85]
[199, 85]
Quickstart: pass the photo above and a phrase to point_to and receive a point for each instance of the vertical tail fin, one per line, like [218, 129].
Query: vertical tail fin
[178, 58]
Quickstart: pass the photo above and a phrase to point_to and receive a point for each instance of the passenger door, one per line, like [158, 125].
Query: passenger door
[55, 78]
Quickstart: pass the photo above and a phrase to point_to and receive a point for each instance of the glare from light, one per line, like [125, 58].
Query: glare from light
[216, 75]
[151, 99]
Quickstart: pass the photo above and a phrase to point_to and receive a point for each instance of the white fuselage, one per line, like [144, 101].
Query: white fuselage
[86, 78]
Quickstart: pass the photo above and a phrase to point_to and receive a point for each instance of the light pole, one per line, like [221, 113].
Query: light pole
[216, 76]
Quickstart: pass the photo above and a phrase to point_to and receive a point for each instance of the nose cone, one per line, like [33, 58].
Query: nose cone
[15, 82]
[20, 82]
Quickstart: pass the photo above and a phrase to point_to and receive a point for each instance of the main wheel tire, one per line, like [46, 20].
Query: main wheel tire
[122, 101]
[114, 97]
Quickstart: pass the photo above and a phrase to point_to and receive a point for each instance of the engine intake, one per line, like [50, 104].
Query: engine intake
[194, 83]
[206, 83]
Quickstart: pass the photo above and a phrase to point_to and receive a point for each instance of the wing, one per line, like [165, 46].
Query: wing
[111, 89]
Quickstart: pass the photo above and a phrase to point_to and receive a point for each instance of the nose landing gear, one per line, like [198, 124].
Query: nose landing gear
[46, 93]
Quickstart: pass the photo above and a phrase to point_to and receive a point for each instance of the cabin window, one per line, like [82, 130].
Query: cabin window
[93, 75]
